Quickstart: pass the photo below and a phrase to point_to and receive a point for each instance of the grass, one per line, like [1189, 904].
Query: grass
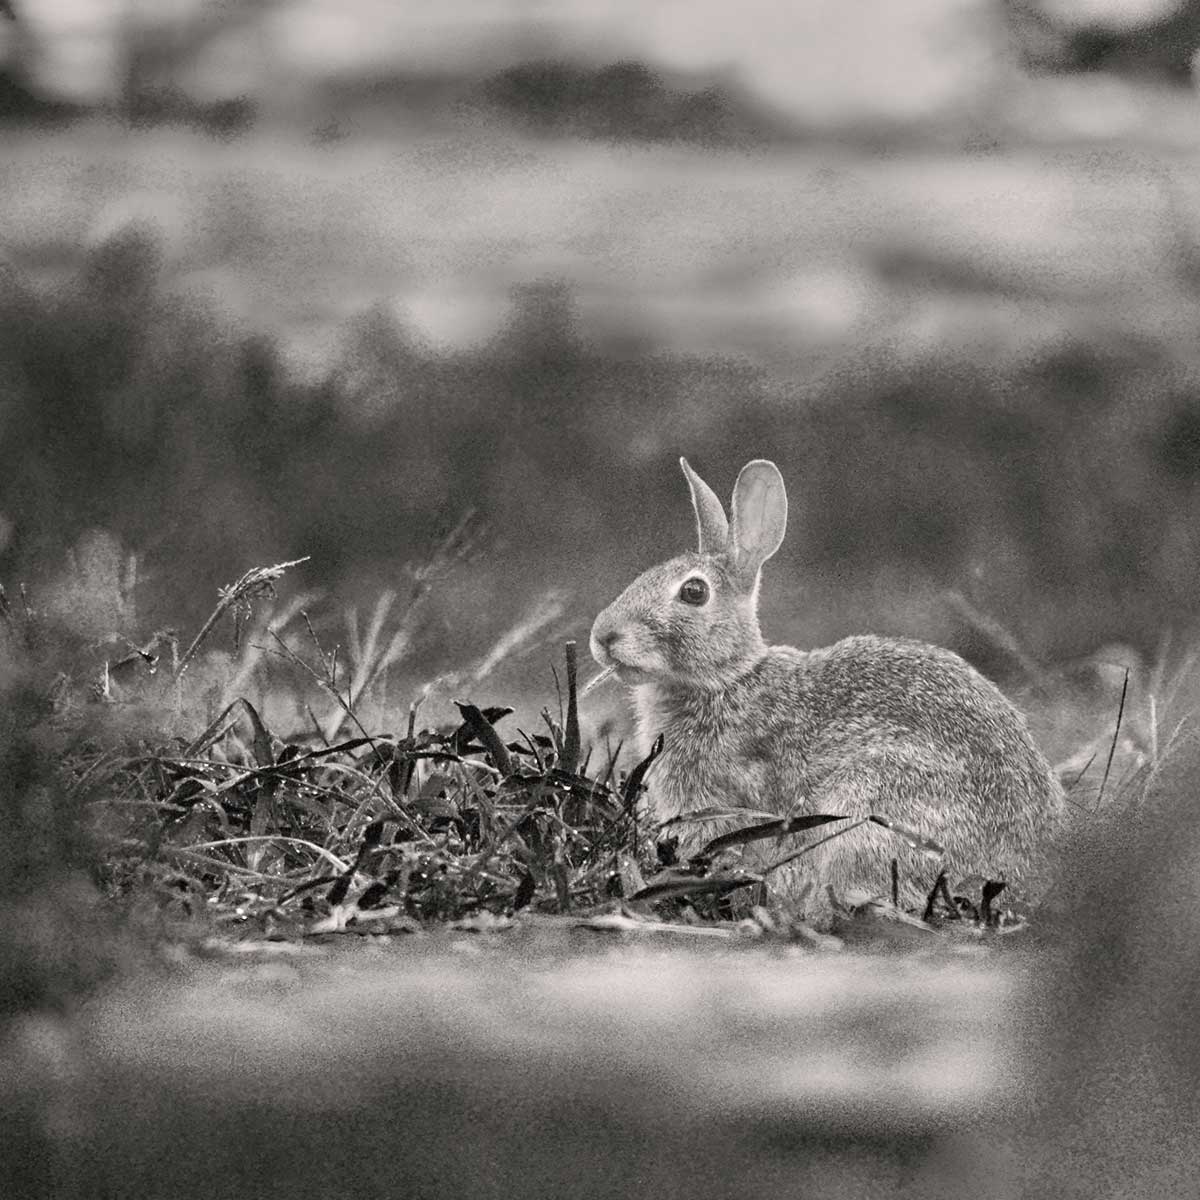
[264, 791]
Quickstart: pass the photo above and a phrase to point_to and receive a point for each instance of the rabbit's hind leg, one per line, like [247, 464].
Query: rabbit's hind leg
[904, 789]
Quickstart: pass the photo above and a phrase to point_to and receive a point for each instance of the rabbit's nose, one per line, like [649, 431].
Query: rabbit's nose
[608, 640]
[603, 640]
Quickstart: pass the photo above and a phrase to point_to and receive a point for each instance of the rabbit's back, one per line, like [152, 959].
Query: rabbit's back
[873, 691]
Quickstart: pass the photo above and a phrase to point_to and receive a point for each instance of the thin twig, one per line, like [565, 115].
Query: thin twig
[811, 846]
[1112, 749]
[294, 657]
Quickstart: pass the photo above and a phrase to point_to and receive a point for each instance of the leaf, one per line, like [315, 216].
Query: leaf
[778, 827]
[634, 782]
[717, 813]
[264, 756]
[556, 733]
[341, 886]
[214, 731]
[809, 847]
[526, 890]
[341, 747]
[372, 836]
[491, 740]
[211, 733]
[908, 834]
[460, 740]
[234, 781]
[672, 885]
[259, 822]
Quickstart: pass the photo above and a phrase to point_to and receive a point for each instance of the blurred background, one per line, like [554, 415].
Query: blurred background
[319, 277]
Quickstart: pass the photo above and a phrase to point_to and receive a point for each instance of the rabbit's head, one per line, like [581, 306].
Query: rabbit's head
[693, 620]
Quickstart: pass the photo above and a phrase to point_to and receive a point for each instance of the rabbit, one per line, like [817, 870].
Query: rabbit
[868, 725]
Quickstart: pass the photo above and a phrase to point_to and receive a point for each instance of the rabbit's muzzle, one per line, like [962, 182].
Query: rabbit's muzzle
[614, 645]
[604, 642]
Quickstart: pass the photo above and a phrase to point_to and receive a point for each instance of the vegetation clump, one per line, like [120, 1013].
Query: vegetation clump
[196, 808]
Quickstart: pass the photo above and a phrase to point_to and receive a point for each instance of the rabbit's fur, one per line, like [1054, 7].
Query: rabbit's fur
[868, 725]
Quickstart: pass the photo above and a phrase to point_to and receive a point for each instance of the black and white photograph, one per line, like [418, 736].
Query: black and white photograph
[599, 599]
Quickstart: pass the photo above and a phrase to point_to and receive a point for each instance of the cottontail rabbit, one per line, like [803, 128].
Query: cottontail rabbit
[869, 725]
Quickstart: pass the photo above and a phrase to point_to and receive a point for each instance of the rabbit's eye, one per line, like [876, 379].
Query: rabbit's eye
[694, 591]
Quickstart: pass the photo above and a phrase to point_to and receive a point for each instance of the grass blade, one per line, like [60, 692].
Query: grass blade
[916, 839]
[633, 783]
[491, 740]
[570, 752]
[1112, 749]
[779, 827]
[676, 886]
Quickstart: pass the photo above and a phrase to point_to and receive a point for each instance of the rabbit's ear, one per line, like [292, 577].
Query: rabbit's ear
[712, 527]
[759, 515]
